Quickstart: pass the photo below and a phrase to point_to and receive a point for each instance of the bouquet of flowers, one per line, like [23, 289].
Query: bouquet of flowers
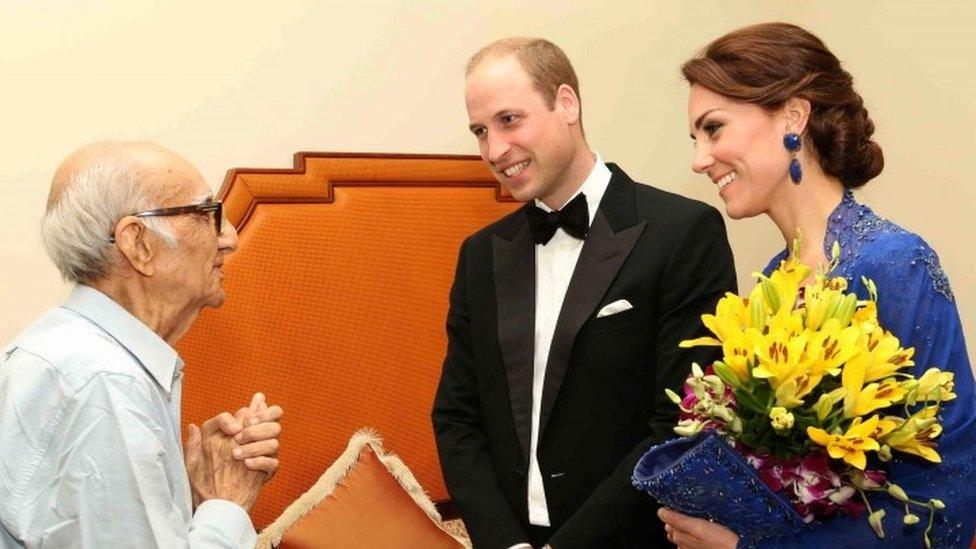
[808, 387]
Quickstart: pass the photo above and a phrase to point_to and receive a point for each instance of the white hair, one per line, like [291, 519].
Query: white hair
[78, 225]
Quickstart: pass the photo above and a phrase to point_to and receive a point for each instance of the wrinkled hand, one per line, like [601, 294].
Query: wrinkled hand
[258, 440]
[231, 457]
[692, 533]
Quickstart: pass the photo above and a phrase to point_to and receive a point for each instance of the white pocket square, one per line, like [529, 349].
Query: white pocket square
[618, 306]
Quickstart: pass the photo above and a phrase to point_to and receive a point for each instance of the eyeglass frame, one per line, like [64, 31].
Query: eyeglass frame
[215, 206]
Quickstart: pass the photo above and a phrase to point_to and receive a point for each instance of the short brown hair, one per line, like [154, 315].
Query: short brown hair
[544, 61]
[768, 63]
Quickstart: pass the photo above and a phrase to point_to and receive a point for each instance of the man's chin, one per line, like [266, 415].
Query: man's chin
[216, 300]
[522, 193]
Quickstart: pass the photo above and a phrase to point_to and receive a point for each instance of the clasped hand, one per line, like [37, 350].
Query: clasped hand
[232, 456]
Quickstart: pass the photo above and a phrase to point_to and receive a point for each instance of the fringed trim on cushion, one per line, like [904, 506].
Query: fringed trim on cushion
[271, 536]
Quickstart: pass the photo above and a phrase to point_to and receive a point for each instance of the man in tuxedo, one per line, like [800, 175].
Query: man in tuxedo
[565, 318]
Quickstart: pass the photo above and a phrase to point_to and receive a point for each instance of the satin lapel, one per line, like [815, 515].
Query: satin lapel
[514, 265]
[600, 259]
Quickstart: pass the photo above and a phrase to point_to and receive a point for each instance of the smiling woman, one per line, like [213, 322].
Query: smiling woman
[736, 145]
[748, 117]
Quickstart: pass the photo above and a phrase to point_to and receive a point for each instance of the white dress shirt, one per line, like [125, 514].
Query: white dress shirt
[90, 430]
[554, 265]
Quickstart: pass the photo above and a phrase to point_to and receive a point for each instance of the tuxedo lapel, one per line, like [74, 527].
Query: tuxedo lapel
[612, 235]
[514, 270]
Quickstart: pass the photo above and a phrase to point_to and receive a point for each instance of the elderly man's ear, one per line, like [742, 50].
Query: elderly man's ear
[136, 244]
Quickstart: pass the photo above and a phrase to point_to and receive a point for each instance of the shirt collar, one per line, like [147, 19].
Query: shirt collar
[156, 356]
[594, 186]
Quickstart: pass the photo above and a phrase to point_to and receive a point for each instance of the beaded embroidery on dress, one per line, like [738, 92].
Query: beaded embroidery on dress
[853, 226]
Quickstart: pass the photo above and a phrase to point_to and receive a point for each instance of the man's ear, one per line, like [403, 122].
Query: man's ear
[134, 242]
[796, 111]
[567, 102]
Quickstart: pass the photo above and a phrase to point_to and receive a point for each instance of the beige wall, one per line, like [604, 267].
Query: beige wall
[237, 84]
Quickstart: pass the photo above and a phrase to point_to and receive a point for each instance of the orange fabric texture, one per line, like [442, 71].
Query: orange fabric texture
[336, 302]
[368, 508]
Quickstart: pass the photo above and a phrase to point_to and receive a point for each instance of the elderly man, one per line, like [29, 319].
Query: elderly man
[90, 393]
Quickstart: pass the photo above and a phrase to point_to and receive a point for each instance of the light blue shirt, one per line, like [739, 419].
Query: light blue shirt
[90, 437]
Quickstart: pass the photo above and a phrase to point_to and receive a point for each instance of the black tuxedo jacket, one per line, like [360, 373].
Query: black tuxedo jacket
[603, 401]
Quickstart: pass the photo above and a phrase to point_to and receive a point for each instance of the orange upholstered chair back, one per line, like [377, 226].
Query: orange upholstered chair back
[336, 302]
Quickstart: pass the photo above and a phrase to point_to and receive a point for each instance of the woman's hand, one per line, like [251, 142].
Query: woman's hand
[694, 533]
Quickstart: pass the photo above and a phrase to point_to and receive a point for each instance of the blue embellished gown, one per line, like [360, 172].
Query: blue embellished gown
[916, 304]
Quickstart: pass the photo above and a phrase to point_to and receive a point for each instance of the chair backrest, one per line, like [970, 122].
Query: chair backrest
[336, 302]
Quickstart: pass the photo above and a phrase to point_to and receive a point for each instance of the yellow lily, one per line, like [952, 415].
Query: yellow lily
[822, 299]
[885, 355]
[917, 434]
[934, 385]
[866, 317]
[739, 352]
[729, 320]
[781, 287]
[780, 356]
[733, 308]
[832, 346]
[825, 404]
[886, 425]
[862, 399]
[851, 445]
[787, 320]
[791, 391]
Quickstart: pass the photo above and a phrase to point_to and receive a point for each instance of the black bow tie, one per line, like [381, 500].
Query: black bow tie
[574, 218]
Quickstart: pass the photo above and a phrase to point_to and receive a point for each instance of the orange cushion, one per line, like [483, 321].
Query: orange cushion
[365, 499]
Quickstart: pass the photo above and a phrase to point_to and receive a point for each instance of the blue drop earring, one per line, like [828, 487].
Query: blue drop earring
[793, 143]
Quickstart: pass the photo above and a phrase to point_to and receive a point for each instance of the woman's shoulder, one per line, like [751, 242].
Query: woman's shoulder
[882, 250]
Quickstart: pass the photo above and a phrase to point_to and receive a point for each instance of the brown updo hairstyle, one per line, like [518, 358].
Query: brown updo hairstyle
[768, 63]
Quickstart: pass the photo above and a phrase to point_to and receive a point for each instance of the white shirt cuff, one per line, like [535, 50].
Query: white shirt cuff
[222, 523]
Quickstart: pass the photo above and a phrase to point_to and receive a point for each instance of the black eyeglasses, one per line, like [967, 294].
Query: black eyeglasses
[217, 207]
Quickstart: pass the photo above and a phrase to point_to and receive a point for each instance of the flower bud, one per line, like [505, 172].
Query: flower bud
[688, 427]
[770, 294]
[937, 503]
[780, 419]
[696, 370]
[723, 413]
[703, 407]
[875, 520]
[896, 492]
[867, 480]
[846, 309]
[835, 251]
[884, 453]
[872, 289]
[726, 374]
[910, 519]
[673, 396]
[715, 384]
[757, 313]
